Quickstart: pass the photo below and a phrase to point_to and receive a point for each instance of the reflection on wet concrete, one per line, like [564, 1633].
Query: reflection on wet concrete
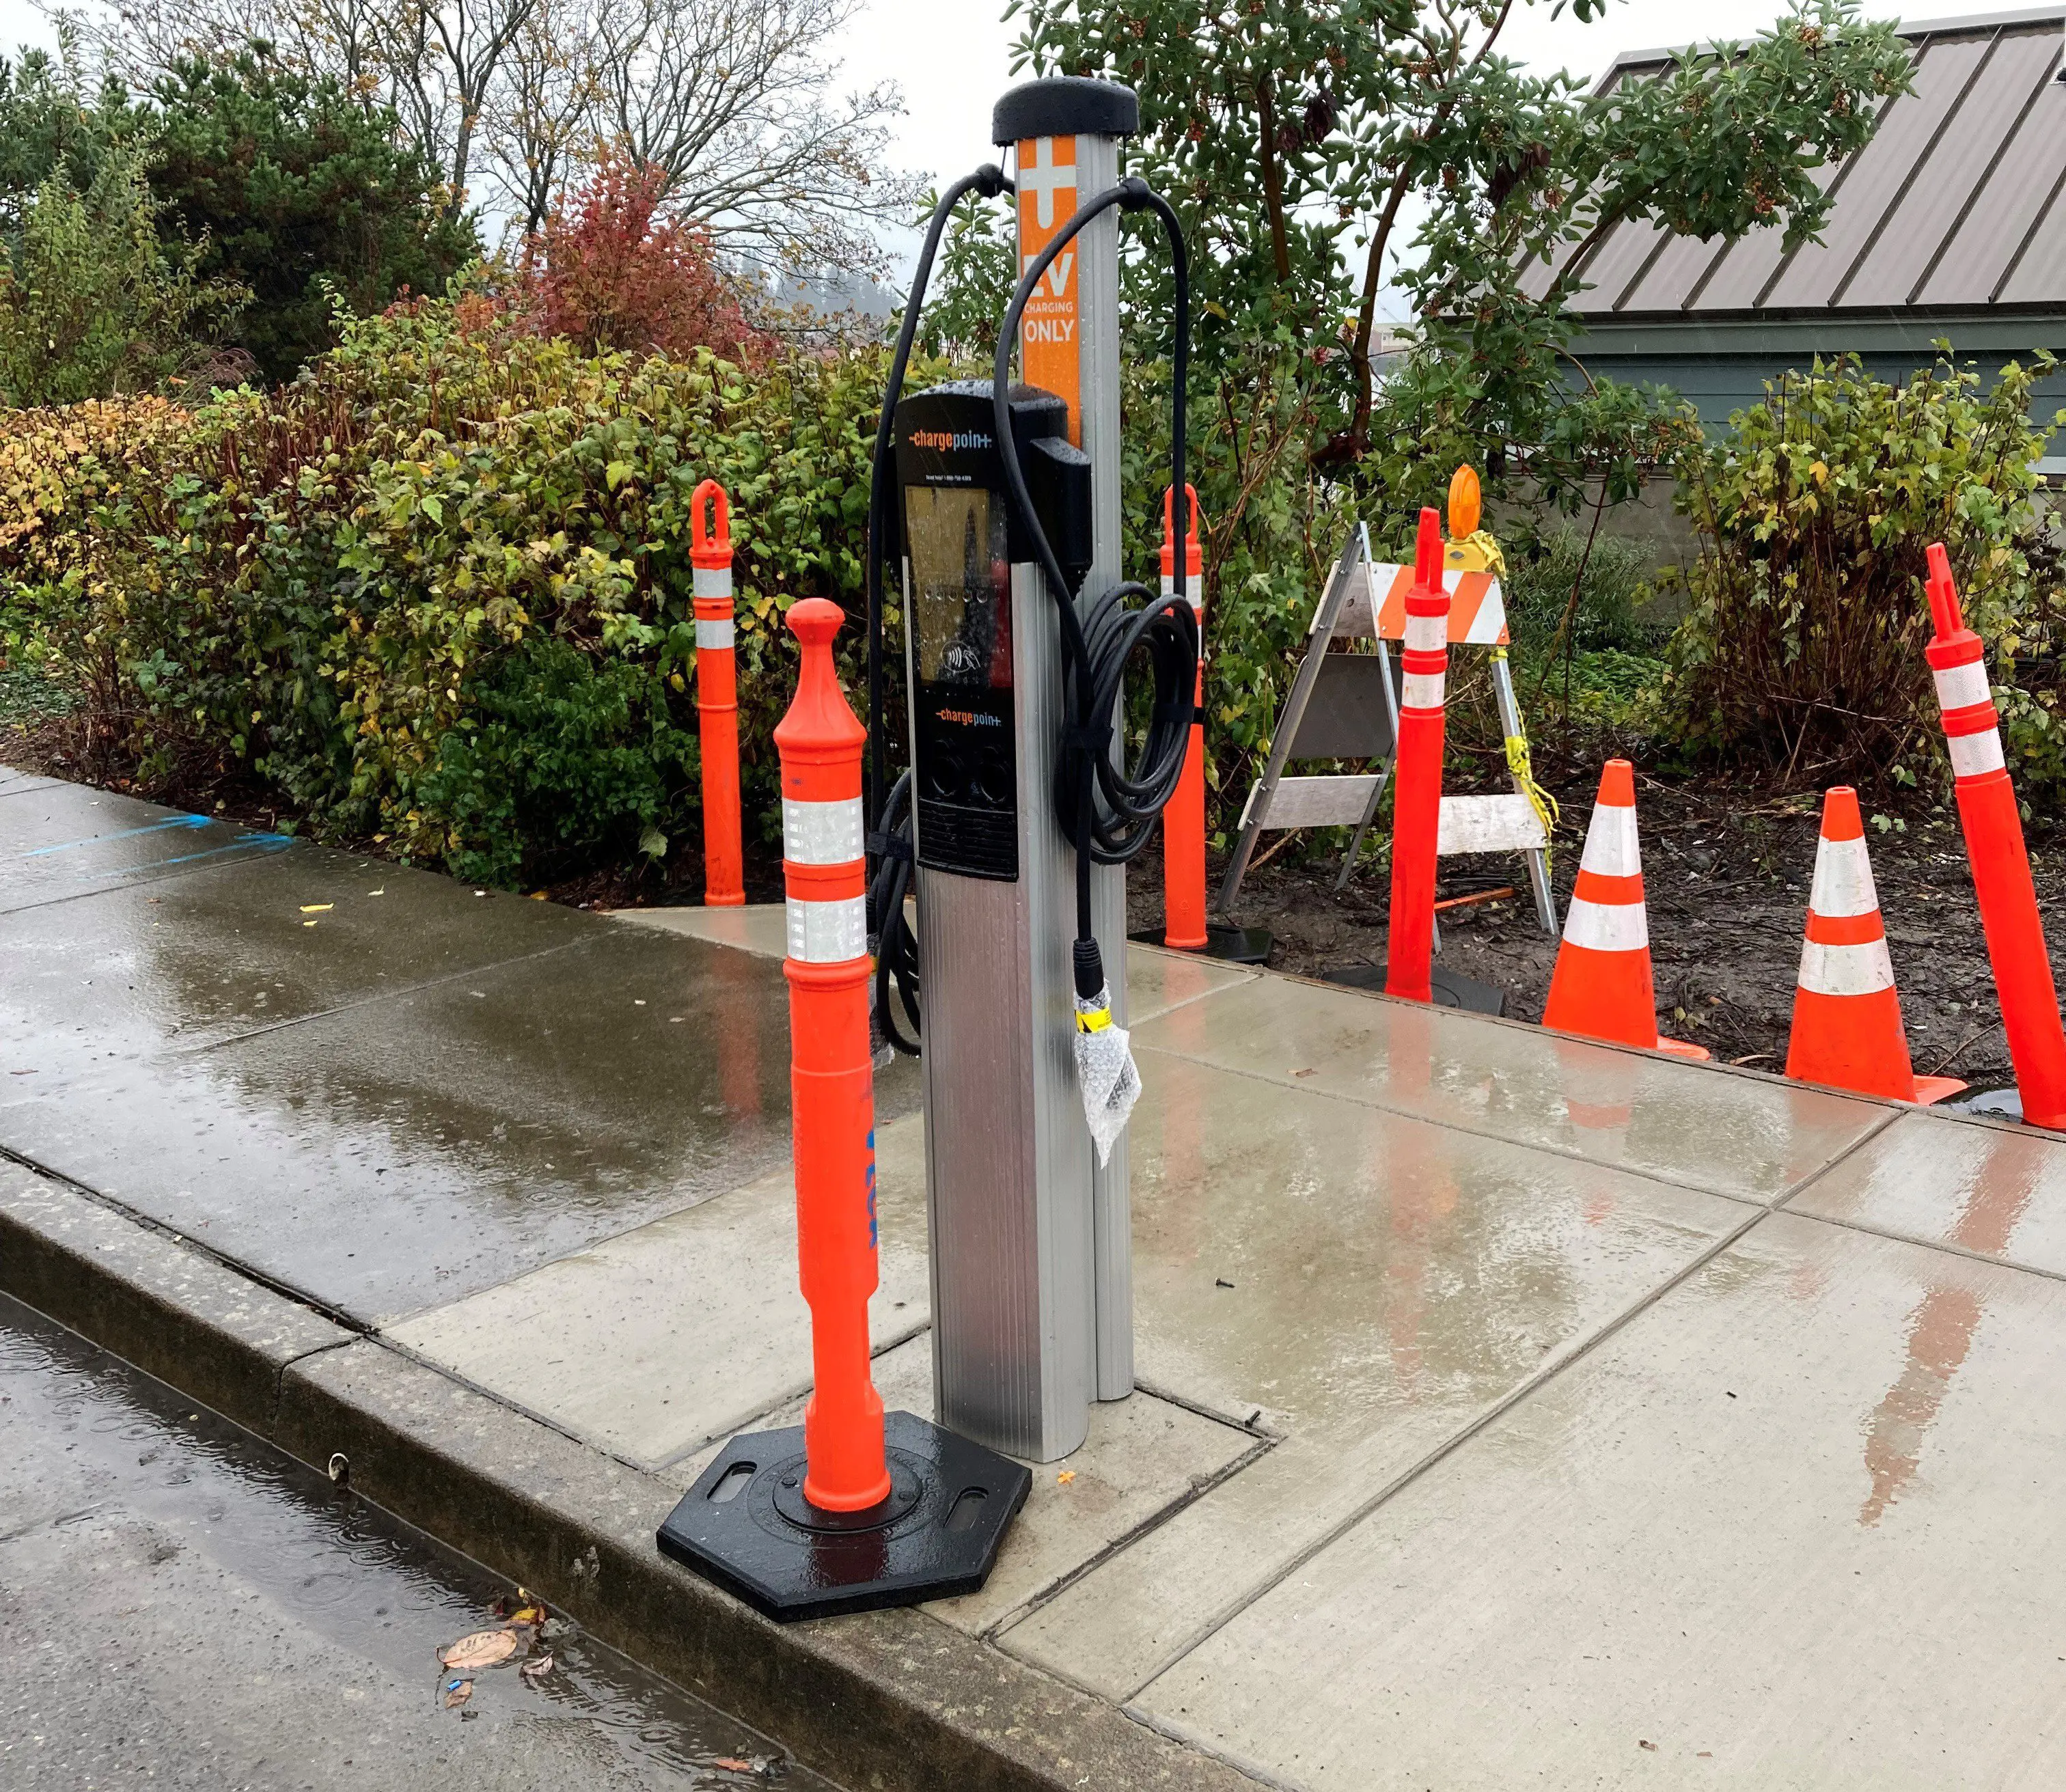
[402, 1152]
[1941, 1331]
[197, 959]
[185, 1605]
[1363, 1283]
[1742, 1136]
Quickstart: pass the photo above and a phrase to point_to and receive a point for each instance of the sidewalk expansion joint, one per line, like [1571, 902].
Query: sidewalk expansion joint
[137, 876]
[200, 1247]
[1253, 1425]
[1866, 1229]
[375, 1000]
[530, 1414]
[1665, 1177]
[795, 1392]
[1197, 1490]
[1549, 1372]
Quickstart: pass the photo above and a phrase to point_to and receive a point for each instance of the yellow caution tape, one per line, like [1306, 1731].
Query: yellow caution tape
[1095, 1021]
[1486, 550]
[1519, 764]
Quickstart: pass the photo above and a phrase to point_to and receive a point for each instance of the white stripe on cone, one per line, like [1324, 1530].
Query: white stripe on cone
[1862, 970]
[1611, 850]
[1421, 690]
[822, 833]
[1843, 881]
[1962, 687]
[1973, 754]
[709, 581]
[1606, 926]
[828, 933]
[714, 635]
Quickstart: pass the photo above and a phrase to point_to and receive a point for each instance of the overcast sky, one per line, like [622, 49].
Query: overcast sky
[953, 57]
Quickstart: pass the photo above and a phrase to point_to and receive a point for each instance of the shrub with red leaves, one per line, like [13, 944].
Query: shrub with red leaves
[610, 271]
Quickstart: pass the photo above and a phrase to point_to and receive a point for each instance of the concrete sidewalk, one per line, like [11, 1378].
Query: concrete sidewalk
[1512, 1411]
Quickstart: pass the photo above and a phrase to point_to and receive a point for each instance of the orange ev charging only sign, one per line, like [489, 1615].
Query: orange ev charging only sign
[1049, 336]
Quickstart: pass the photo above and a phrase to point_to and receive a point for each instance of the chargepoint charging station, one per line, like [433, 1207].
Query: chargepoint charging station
[1000, 502]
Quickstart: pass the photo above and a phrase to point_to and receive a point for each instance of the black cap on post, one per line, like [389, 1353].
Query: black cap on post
[1066, 106]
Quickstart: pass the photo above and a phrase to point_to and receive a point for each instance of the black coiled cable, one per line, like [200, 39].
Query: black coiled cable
[1107, 810]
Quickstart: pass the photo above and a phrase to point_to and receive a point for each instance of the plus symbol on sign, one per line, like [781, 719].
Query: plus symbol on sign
[1044, 180]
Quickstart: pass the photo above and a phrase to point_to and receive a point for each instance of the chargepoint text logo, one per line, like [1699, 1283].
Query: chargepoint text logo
[944, 444]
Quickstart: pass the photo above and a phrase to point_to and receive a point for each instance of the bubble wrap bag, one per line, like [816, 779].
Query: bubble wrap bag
[1106, 1071]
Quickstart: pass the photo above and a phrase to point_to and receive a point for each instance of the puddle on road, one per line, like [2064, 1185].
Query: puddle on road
[90, 1439]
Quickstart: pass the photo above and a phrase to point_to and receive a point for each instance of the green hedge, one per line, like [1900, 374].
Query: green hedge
[437, 592]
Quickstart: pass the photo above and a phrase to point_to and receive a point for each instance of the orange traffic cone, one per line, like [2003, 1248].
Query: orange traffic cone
[1847, 1030]
[1601, 987]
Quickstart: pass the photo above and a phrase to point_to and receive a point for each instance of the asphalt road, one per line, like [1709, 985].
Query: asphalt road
[182, 1606]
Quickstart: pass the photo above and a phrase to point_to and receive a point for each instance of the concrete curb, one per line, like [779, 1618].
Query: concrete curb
[889, 1700]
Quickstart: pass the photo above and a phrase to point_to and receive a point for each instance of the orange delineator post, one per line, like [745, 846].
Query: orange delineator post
[1416, 802]
[1184, 820]
[831, 1081]
[717, 695]
[2000, 862]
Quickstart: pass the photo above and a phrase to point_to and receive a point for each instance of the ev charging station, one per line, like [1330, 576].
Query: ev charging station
[1032, 1266]
[999, 503]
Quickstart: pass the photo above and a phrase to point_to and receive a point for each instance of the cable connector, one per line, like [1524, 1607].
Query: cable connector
[1135, 195]
[989, 181]
[1090, 970]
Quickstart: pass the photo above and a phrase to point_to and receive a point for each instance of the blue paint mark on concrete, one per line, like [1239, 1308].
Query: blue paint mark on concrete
[127, 833]
[244, 843]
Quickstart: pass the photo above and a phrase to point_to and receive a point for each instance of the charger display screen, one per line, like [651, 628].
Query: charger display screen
[961, 583]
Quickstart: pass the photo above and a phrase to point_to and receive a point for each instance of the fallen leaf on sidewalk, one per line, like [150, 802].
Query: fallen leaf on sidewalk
[530, 1613]
[554, 1629]
[458, 1693]
[324, 908]
[536, 1668]
[485, 1648]
[382, 890]
[1068, 1475]
[731, 1762]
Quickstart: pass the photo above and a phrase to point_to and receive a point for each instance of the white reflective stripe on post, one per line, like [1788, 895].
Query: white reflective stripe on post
[1606, 926]
[1169, 590]
[1611, 850]
[1426, 634]
[709, 581]
[1863, 970]
[1843, 884]
[1972, 754]
[828, 933]
[714, 635]
[1962, 687]
[1422, 690]
[822, 833]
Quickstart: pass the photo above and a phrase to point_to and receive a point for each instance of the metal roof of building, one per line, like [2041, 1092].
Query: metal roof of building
[1958, 203]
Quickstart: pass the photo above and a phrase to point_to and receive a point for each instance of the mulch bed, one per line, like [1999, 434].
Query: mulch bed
[1726, 881]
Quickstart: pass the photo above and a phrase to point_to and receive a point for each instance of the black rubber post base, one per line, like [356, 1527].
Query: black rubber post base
[747, 1526]
[1452, 988]
[1228, 943]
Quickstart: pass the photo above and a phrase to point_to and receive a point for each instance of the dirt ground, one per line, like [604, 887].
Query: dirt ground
[1727, 891]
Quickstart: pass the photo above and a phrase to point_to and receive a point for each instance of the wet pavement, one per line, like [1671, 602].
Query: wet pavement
[1513, 1411]
[181, 1606]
